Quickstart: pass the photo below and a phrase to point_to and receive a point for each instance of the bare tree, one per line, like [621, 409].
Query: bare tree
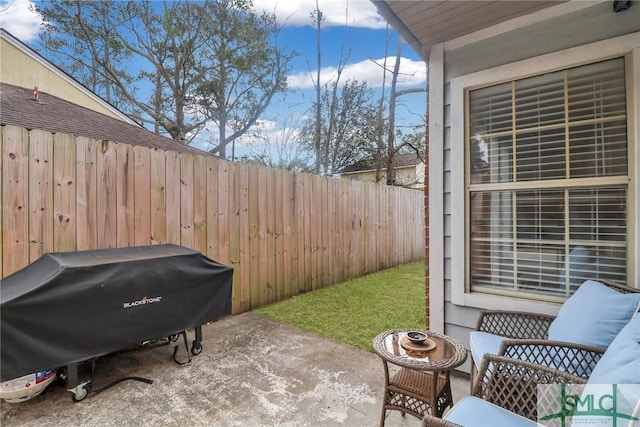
[347, 126]
[317, 18]
[281, 149]
[337, 111]
[394, 94]
[197, 62]
[381, 108]
[391, 179]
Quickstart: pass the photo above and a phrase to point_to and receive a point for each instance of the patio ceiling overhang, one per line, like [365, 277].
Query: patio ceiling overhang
[423, 23]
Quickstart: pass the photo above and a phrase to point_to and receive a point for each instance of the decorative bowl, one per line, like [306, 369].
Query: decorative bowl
[417, 337]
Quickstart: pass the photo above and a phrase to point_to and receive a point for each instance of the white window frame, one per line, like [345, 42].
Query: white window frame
[627, 46]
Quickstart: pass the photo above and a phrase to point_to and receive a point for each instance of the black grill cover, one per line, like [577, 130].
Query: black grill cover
[69, 307]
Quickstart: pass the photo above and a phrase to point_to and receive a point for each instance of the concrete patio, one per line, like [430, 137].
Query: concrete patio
[252, 372]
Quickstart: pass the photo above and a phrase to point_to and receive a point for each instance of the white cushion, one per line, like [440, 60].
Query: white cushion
[482, 343]
[593, 315]
[472, 411]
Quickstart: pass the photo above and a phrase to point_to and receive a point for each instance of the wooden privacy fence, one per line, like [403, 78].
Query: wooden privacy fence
[283, 233]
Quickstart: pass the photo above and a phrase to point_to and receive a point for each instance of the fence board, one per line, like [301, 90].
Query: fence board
[64, 193]
[362, 232]
[244, 263]
[40, 194]
[308, 237]
[158, 201]
[393, 227]
[300, 232]
[234, 234]
[255, 279]
[200, 203]
[172, 192]
[125, 219]
[346, 228]
[279, 233]
[142, 191]
[288, 216]
[399, 219]
[314, 230]
[375, 242]
[337, 232]
[86, 198]
[368, 230]
[263, 237]
[213, 227]
[333, 253]
[325, 217]
[354, 242]
[388, 211]
[223, 211]
[271, 238]
[106, 195]
[15, 200]
[187, 237]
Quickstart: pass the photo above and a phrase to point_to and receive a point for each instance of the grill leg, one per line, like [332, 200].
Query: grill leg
[74, 385]
[199, 333]
[72, 375]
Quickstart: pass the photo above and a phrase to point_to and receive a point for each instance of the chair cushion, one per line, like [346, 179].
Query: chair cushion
[593, 315]
[482, 343]
[472, 411]
[620, 364]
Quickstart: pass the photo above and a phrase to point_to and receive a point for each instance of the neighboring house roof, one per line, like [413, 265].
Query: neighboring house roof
[19, 107]
[399, 161]
[30, 74]
[424, 23]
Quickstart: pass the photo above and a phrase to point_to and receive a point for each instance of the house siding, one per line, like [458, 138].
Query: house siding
[20, 69]
[411, 177]
[579, 28]
[585, 26]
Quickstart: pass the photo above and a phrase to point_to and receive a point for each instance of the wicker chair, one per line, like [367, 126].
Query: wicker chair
[505, 392]
[507, 389]
[527, 339]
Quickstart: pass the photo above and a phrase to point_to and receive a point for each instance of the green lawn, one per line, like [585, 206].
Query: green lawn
[355, 311]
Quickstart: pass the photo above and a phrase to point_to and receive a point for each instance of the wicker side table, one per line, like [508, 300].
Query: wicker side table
[417, 383]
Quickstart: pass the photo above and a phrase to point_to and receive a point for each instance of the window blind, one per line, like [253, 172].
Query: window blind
[530, 235]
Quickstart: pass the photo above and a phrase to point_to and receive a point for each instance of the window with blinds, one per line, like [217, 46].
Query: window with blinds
[547, 182]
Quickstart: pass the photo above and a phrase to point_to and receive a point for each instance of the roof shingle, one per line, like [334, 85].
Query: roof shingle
[18, 107]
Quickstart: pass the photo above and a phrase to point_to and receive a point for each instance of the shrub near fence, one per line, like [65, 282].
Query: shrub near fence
[283, 233]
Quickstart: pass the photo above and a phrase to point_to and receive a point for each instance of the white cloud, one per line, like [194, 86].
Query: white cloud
[17, 18]
[412, 73]
[355, 13]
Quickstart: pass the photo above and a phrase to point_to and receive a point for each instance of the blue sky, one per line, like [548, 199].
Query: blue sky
[355, 24]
